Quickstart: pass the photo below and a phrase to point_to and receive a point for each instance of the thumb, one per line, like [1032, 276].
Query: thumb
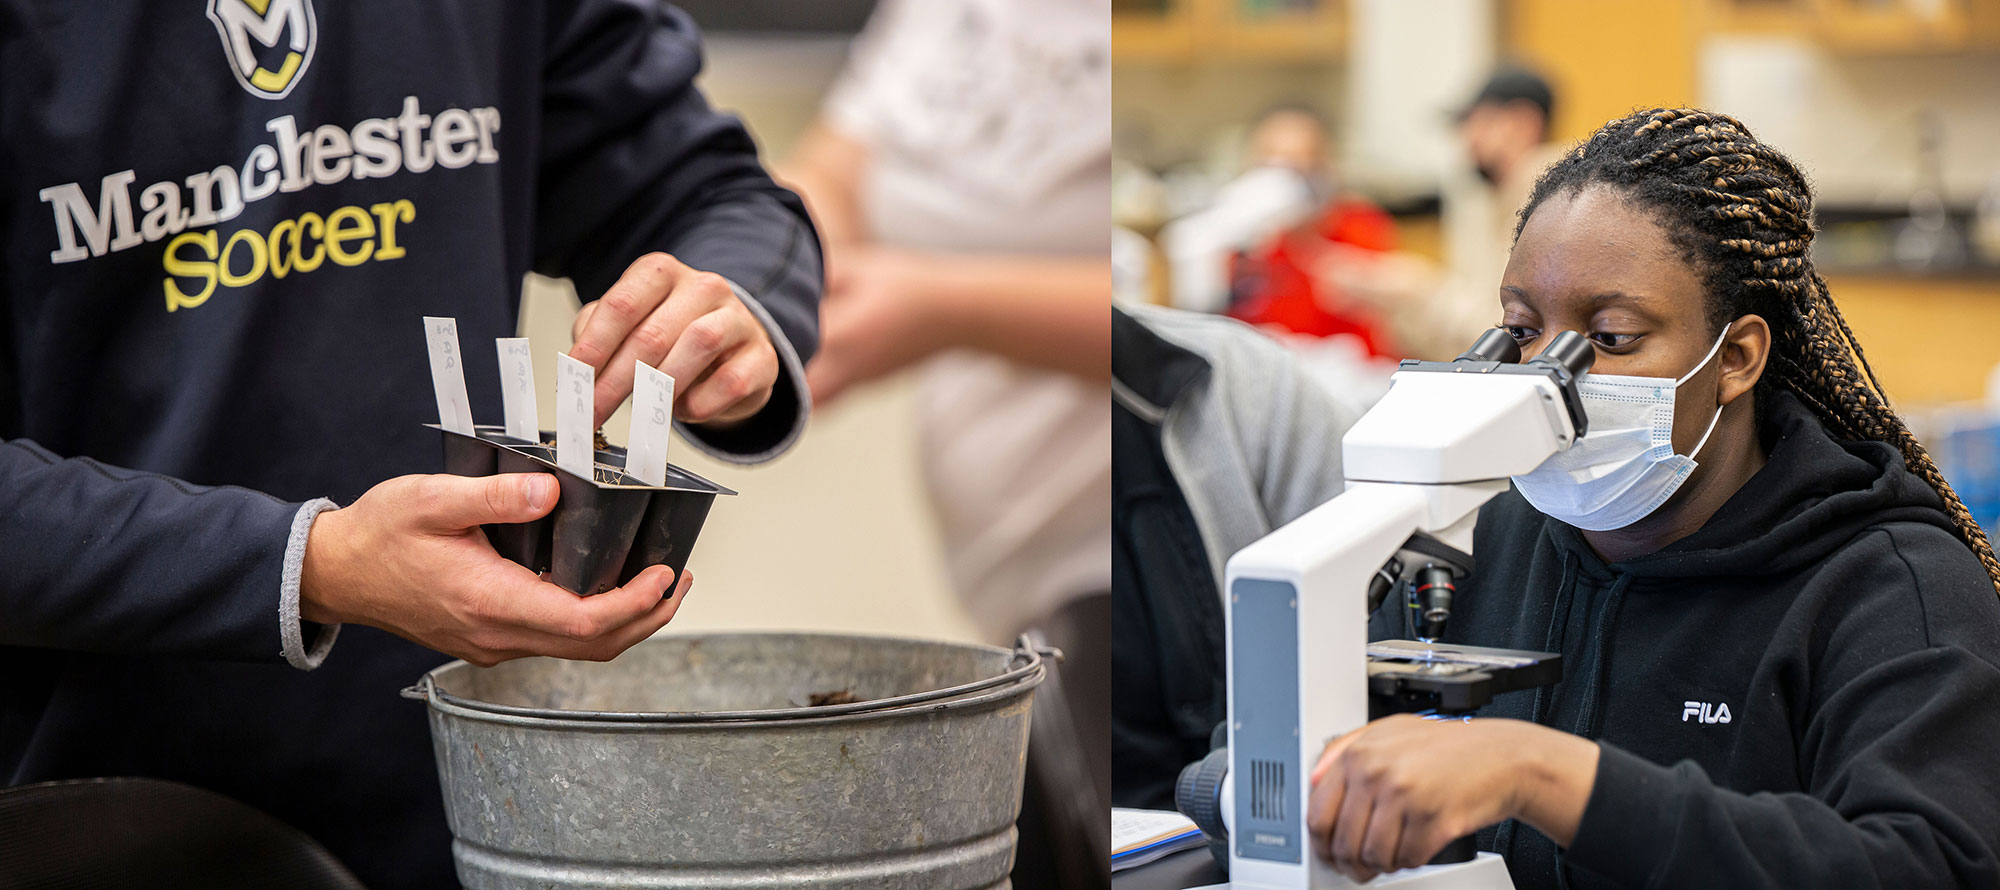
[455, 503]
[1332, 753]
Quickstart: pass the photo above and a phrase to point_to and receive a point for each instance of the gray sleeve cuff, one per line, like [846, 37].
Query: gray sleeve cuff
[289, 623]
[790, 368]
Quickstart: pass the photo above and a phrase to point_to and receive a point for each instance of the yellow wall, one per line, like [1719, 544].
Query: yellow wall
[1915, 332]
[1605, 57]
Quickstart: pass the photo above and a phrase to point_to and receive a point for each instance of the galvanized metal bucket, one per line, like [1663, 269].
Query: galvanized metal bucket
[750, 760]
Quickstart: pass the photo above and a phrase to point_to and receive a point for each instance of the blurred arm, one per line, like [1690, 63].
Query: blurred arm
[1050, 312]
[826, 168]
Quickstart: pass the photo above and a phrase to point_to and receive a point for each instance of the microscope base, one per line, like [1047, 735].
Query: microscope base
[1486, 872]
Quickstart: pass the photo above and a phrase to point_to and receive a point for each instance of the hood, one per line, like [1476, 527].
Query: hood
[1813, 494]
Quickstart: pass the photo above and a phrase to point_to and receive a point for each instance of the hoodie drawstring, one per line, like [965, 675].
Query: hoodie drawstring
[1593, 714]
[1591, 721]
[1503, 837]
[1558, 628]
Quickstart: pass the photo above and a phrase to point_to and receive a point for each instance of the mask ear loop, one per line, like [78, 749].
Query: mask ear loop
[1712, 350]
[1704, 435]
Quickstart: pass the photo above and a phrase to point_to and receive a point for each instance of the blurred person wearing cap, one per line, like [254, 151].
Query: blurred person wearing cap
[1435, 312]
[961, 172]
[1505, 130]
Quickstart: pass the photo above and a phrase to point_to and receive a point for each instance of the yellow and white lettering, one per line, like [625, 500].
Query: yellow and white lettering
[256, 243]
[330, 144]
[224, 181]
[389, 215]
[375, 152]
[454, 135]
[177, 267]
[489, 123]
[263, 159]
[74, 214]
[417, 156]
[164, 216]
[350, 223]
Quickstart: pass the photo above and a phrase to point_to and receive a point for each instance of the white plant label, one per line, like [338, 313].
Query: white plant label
[576, 386]
[448, 374]
[652, 421]
[517, 388]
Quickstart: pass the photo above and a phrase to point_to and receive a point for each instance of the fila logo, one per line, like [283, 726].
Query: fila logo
[272, 26]
[1705, 712]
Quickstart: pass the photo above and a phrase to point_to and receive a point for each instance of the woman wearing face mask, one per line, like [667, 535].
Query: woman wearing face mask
[1779, 626]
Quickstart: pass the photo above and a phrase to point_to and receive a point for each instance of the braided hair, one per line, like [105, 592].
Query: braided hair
[1743, 213]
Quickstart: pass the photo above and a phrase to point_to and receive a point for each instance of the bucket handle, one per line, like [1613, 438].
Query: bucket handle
[1026, 645]
[418, 691]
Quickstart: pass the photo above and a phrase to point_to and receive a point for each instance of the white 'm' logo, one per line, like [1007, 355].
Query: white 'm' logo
[1705, 712]
[268, 21]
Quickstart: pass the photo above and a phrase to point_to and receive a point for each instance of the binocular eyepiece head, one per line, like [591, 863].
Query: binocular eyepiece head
[1495, 345]
[1569, 351]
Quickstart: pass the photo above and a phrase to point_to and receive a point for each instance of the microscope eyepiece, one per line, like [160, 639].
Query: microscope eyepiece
[1495, 345]
[1568, 350]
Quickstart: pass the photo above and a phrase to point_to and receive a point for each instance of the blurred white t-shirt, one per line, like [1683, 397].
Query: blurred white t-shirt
[989, 129]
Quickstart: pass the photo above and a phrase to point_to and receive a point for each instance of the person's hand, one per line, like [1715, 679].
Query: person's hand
[879, 316]
[1393, 793]
[687, 323]
[1387, 281]
[409, 558]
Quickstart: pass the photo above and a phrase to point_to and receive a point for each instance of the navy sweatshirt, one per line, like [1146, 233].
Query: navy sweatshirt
[1803, 693]
[221, 228]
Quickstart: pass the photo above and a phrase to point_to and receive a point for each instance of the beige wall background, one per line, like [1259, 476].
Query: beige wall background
[836, 535]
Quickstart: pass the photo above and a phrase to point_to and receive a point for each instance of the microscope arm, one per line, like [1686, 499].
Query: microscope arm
[1440, 443]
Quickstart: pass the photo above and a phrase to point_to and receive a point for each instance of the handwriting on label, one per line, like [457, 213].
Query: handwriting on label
[448, 374]
[517, 388]
[652, 416]
[576, 449]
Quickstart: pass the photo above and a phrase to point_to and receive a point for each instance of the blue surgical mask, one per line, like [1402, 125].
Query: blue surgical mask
[1625, 467]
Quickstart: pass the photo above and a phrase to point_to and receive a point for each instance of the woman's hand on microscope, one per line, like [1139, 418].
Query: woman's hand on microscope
[1393, 793]
[409, 558]
[687, 323]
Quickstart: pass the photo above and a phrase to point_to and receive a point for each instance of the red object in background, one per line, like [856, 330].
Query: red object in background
[1270, 285]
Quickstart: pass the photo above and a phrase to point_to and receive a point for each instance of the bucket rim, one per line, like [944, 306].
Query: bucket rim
[1017, 679]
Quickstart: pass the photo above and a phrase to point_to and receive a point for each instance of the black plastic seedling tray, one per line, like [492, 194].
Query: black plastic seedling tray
[601, 532]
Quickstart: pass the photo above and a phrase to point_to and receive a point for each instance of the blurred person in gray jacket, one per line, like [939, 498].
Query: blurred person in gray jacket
[1218, 438]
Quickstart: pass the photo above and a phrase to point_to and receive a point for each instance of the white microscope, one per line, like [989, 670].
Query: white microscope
[1443, 440]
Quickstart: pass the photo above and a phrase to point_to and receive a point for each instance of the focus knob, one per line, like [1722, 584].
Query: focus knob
[1198, 795]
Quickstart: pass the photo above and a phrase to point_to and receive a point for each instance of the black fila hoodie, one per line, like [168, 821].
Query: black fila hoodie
[1803, 693]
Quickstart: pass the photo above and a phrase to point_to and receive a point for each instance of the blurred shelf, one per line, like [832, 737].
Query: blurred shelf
[1875, 26]
[1152, 37]
[1864, 26]
[1179, 31]
[1281, 29]
[1758, 16]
